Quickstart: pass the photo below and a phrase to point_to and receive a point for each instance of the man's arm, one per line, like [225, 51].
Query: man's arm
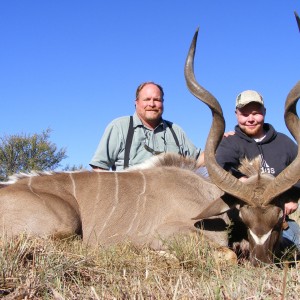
[108, 149]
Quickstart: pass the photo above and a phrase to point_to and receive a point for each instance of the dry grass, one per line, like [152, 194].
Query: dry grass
[47, 269]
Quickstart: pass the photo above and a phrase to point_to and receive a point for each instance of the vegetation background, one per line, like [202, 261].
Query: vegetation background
[26, 153]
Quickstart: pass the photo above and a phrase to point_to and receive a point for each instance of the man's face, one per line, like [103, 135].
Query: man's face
[251, 119]
[149, 105]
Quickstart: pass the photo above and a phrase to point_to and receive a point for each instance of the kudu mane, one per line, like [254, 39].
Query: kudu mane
[250, 167]
[167, 160]
[20, 176]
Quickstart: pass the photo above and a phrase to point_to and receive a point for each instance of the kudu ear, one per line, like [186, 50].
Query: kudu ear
[217, 207]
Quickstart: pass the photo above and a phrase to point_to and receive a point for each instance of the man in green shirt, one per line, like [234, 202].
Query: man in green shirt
[148, 135]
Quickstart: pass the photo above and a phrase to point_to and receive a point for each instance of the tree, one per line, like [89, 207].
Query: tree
[25, 153]
[69, 168]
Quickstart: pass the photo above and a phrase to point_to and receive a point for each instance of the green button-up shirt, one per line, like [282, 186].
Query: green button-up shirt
[111, 149]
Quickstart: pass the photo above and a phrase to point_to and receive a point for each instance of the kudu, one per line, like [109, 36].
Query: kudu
[261, 198]
[157, 200]
[143, 206]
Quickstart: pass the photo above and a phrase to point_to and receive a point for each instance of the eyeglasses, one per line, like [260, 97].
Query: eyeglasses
[152, 151]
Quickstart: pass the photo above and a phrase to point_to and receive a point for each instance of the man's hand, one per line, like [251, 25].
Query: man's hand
[227, 134]
[290, 207]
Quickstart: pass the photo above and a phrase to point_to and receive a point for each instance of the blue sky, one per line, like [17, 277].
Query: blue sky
[73, 66]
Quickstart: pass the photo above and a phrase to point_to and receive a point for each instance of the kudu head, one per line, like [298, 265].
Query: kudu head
[261, 198]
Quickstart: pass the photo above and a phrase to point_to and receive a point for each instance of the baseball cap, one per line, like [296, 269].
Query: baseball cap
[248, 96]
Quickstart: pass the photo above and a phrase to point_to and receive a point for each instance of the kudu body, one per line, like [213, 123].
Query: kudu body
[145, 205]
[151, 203]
